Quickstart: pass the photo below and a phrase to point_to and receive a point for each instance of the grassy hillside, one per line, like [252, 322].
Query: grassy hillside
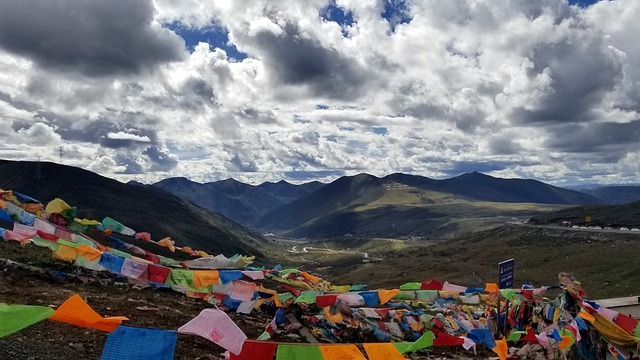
[615, 216]
[607, 264]
[371, 207]
[139, 207]
[406, 206]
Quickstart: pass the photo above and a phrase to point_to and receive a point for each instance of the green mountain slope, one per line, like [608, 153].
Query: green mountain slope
[395, 206]
[142, 208]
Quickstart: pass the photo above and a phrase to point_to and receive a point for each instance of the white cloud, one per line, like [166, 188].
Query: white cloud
[121, 135]
[515, 88]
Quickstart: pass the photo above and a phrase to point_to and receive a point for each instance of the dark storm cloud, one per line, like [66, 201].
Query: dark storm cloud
[296, 59]
[582, 70]
[108, 132]
[615, 138]
[238, 164]
[504, 146]
[93, 37]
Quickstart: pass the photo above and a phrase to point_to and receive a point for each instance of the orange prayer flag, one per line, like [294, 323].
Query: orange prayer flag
[492, 288]
[586, 316]
[77, 312]
[204, 278]
[386, 295]
[167, 242]
[566, 342]
[501, 348]
[65, 253]
[313, 279]
[88, 252]
[334, 318]
[382, 351]
[341, 352]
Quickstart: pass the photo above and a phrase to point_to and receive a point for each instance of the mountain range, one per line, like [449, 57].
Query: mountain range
[397, 205]
[226, 216]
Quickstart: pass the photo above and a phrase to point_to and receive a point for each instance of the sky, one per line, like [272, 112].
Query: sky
[307, 90]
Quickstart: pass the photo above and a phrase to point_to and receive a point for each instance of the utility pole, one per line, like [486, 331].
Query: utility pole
[38, 174]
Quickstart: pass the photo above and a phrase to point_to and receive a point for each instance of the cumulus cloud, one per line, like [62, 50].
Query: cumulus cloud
[543, 89]
[121, 135]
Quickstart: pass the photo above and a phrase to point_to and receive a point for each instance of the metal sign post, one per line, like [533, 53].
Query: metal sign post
[505, 274]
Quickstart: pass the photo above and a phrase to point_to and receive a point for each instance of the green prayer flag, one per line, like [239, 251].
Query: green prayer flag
[264, 336]
[38, 241]
[110, 223]
[17, 317]
[638, 330]
[428, 295]
[62, 241]
[307, 296]
[180, 277]
[359, 287]
[283, 298]
[405, 295]
[299, 352]
[87, 264]
[515, 336]
[509, 294]
[75, 227]
[411, 286]
[287, 271]
[82, 240]
[122, 254]
[165, 261]
[425, 341]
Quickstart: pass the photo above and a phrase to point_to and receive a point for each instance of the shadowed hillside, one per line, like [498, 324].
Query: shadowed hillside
[142, 208]
[616, 195]
[239, 202]
[616, 216]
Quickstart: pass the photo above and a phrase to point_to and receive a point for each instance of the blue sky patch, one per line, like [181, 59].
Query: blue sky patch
[583, 3]
[216, 37]
[396, 13]
[338, 15]
[380, 130]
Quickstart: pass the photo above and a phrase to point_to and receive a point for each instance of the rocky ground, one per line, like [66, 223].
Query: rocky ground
[37, 279]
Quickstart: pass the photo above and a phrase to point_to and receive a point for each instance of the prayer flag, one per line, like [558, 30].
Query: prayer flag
[17, 317]
[255, 350]
[77, 312]
[216, 326]
[128, 343]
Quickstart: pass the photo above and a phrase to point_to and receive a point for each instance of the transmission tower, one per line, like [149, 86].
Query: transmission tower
[60, 148]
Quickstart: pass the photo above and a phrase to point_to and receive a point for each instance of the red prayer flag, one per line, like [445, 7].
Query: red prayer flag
[255, 350]
[627, 323]
[431, 285]
[326, 300]
[158, 274]
[445, 339]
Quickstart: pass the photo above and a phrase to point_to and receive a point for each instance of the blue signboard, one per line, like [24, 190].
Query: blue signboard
[505, 274]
